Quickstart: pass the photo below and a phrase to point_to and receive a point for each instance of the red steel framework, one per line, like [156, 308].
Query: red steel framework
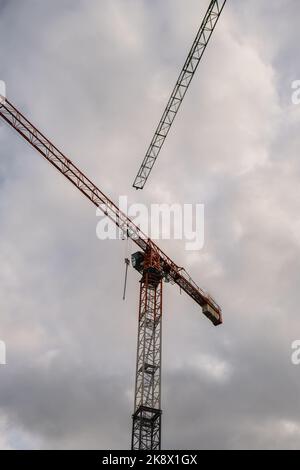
[146, 425]
[154, 266]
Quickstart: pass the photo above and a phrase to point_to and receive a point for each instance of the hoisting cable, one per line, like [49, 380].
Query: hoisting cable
[127, 263]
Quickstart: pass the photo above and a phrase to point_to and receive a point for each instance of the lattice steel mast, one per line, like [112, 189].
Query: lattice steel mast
[151, 262]
[146, 424]
[188, 71]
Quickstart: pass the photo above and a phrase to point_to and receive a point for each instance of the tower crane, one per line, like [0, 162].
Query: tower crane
[188, 71]
[153, 265]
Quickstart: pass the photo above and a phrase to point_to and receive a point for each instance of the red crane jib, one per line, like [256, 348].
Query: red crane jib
[63, 164]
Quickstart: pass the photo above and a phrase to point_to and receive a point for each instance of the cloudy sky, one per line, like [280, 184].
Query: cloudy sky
[94, 77]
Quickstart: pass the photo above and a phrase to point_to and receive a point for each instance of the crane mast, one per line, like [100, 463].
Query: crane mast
[188, 71]
[153, 265]
[146, 423]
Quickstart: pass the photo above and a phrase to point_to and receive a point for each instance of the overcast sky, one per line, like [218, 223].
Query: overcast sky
[94, 77]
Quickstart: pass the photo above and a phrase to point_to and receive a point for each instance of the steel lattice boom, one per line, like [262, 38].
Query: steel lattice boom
[154, 266]
[63, 164]
[195, 54]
